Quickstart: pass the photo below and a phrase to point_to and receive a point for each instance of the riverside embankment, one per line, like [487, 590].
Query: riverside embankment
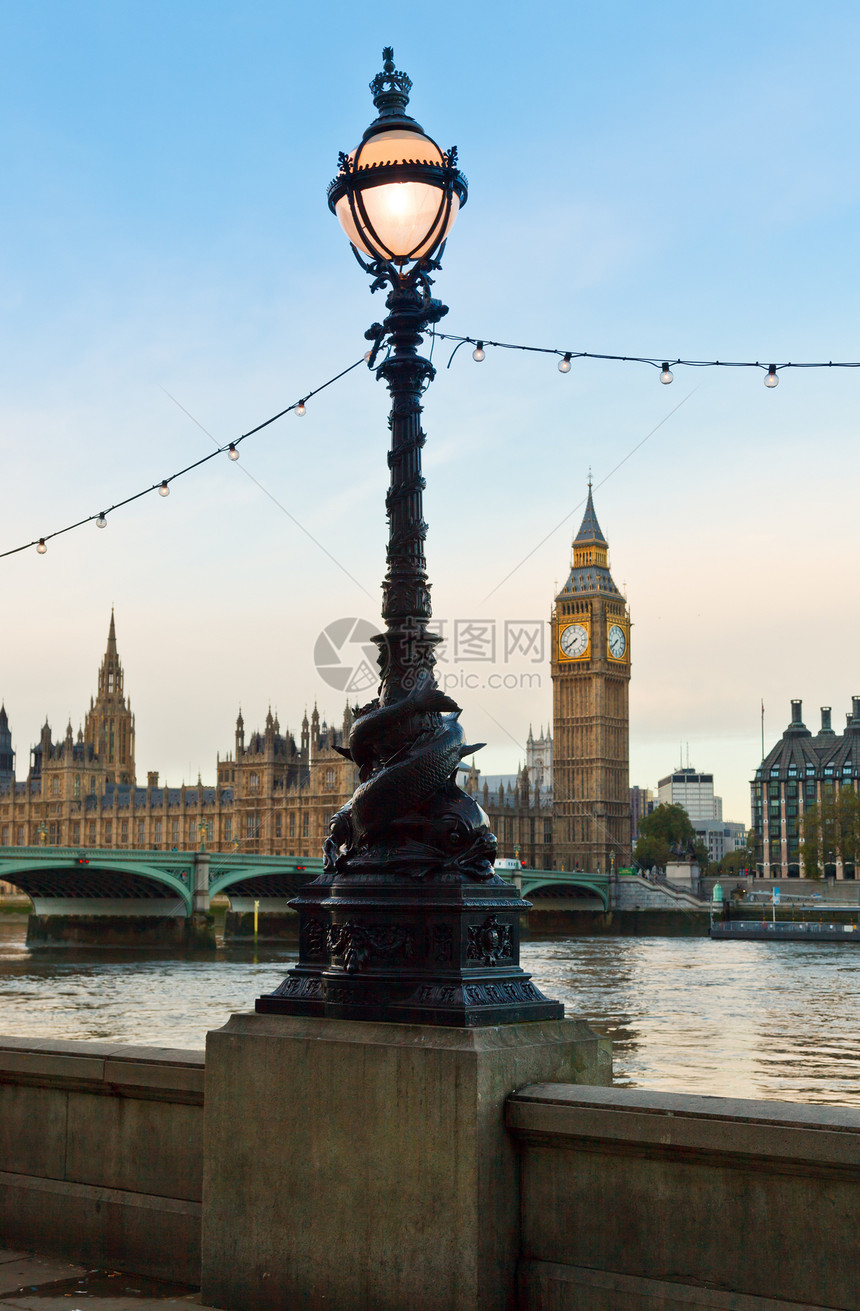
[737, 1094]
[685, 1014]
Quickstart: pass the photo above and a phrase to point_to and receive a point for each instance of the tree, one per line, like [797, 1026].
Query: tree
[666, 827]
[703, 860]
[819, 829]
[848, 824]
[831, 829]
[650, 853]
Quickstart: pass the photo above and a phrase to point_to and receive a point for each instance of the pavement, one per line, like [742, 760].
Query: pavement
[42, 1283]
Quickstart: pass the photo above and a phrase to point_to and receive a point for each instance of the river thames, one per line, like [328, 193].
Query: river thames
[748, 1019]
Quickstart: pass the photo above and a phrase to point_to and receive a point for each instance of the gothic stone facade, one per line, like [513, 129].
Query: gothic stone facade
[272, 794]
[275, 795]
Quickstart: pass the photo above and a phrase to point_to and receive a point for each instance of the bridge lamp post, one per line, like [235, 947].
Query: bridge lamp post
[408, 921]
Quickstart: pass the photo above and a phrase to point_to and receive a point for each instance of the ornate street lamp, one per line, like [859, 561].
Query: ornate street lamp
[408, 920]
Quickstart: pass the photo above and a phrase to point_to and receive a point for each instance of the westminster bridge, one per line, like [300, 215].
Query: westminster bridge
[88, 896]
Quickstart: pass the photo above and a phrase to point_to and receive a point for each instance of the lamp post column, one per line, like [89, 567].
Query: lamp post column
[406, 650]
[409, 921]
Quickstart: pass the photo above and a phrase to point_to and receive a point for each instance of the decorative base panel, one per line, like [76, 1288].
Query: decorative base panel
[411, 953]
[511, 999]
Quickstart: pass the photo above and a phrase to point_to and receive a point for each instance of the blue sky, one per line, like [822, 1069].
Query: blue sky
[644, 179]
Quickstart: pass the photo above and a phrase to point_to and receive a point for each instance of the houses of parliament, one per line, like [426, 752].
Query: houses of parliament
[566, 808]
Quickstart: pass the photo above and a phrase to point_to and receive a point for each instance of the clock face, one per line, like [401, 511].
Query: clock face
[574, 640]
[616, 641]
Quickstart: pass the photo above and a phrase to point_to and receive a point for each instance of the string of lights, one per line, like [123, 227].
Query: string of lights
[231, 449]
[479, 354]
[566, 358]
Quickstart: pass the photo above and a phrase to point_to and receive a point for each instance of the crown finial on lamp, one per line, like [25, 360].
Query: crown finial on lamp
[390, 88]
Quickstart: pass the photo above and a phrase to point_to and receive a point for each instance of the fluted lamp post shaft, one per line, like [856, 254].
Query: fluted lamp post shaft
[408, 921]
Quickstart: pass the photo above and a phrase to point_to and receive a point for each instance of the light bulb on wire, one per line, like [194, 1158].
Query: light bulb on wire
[666, 374]
[564, 365]
[771, 380]
[164, 490]
[101, 522]
[41, 547]
[478, 353]
[232, 453]
[301, 409]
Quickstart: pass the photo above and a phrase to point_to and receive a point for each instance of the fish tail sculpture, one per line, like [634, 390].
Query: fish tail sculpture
[407, 754]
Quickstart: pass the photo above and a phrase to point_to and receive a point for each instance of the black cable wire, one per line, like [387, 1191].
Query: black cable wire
[118, 505]
[656, 361]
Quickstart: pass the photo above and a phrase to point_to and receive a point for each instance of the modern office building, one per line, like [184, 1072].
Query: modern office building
[693, 791]
[720, 836]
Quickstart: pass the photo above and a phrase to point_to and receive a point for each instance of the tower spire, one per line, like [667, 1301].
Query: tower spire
[111, 642]
[109, 724]
[589, 529]
[7, 755]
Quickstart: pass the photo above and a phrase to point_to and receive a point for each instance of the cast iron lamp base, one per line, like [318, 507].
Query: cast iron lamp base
[397, 951]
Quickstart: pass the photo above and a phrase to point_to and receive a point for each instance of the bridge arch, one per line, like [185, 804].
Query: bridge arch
[541, 884]
[58, 874]
[262, 878]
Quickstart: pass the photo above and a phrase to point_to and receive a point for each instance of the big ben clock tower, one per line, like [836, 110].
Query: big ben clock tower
[590, 677]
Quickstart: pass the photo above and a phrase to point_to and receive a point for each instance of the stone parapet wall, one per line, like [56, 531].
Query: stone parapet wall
[633, 893]
[101, 1154]
[650, 1201]
[602, 1198]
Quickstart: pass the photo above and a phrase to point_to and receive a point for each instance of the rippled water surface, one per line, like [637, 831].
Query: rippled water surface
[739, 1019]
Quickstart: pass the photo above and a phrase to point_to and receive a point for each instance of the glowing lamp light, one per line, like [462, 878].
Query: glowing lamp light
[41, 547]
[404, 218]
[564, 365]
[479, 354]
[301, 409]
[397, 194]
[163, 489]
[770, 378]
[666, 374]
[232, 453]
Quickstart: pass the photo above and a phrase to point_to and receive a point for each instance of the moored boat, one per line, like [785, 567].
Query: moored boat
[784, 931]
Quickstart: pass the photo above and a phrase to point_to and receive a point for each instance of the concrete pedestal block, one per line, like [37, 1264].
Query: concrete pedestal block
[352, 1165]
